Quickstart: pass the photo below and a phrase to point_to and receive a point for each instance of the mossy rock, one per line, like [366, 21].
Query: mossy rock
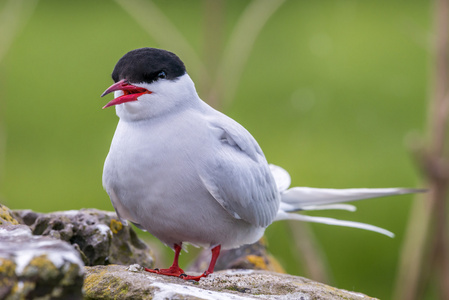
[99, 236]
[120, 282]
[37, 267]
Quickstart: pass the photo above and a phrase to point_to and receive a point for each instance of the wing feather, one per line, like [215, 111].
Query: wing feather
[238, 176]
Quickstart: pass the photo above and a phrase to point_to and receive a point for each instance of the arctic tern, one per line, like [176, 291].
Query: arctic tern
[187, 173]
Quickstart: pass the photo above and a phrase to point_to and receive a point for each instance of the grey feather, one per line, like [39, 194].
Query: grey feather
[245, 188]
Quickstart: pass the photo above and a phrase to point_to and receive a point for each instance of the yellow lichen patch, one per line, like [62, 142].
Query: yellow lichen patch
[43, 266]
[104, 285]
[21, 288]
[6, 217]
[7, 267]
[257, 261]
[93, 280]
[115, 226]
[274, 265]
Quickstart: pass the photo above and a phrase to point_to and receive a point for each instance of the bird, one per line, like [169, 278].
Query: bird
[189, 174]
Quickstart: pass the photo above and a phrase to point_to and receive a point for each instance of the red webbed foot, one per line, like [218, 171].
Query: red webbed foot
[176, 271]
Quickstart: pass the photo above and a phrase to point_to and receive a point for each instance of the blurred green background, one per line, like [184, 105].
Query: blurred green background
[333, 91]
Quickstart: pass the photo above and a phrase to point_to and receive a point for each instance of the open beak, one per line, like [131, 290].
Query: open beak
[130, 92]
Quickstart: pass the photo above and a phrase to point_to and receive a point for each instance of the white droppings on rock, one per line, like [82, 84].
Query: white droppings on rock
[19, 245]
[68, 212]
[58, 257]
[294, 296]
[172, 290]
[104, 229]
[22, 258]
[239, 272]
[355, 294]
[18, 231]
[135, 268]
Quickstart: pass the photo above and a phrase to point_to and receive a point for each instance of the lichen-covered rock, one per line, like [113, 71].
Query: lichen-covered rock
[98, 235]
[253, 257]
[6, 216]
[37, 267]
[43, 259]
[120, 282]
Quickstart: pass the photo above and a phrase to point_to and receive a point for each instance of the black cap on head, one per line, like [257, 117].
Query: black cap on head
[146, 65]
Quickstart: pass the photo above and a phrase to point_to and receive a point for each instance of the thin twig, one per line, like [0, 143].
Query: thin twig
[426, 252]
[240, 44]
[13, 16]
[214, 27]
[309, 252]
[438, 170]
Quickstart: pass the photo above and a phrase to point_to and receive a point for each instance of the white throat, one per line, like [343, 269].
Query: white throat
[167, 96]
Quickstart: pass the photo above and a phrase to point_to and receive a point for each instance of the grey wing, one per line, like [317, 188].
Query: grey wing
[238, 176]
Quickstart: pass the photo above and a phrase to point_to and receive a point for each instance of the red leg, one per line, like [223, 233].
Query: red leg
[210, 270]
[174, 270]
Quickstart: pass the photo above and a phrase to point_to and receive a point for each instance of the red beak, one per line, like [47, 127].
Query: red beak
[131, 92]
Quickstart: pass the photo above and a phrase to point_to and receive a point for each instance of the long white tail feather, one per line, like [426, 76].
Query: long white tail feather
[306, 198]
[290, 208]
[281, 177]
[330, 221]
[347, 207]
[299, 197]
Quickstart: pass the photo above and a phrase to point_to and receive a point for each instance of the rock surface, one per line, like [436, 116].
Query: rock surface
[37, 267]
[43, 259]
[120, 282]
[98, 235]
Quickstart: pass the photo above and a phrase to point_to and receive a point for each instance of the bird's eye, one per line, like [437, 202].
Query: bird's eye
[161, 75]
